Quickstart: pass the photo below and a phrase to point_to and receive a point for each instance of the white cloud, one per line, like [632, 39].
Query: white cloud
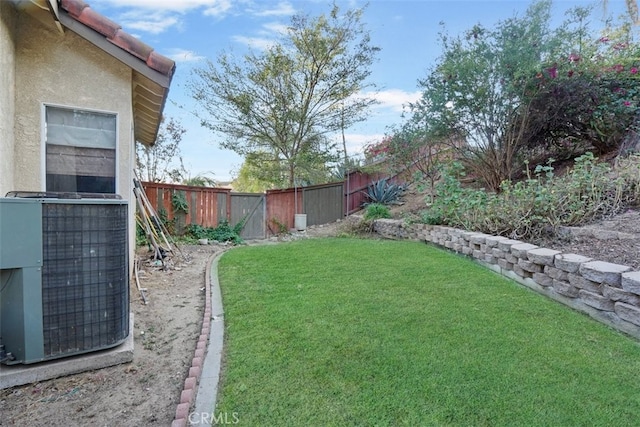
[260, 43]
[391, 99]
[265, 38]
[283, 8]
[357, 141]
[158, 16]
[394, 99]
[183, 55]
[275, 27]
[180, 6]
[219, 9]
[152, 25]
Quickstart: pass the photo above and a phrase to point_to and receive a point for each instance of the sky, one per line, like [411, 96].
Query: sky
[192, 32]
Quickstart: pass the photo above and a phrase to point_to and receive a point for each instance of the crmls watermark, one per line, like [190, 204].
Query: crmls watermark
[209, 418]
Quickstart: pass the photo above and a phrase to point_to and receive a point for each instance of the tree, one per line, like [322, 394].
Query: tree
[248, 179]
[341, 169]
[632, 9]
[282, 103]
[481, 88]
[200, 180]
[162, 162]
[410, 151]
[587, 98]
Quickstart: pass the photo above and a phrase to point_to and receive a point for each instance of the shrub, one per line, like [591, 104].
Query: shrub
[141, 235]
[538, 205]
[628, 169]
[384, 193]
[224, 232]
[376, 211]
[281, 227]
[179, 202]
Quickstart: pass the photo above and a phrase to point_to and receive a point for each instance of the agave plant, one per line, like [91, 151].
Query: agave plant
[384, 193]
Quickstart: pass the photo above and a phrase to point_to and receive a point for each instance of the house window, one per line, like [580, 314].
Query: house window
[80, 151]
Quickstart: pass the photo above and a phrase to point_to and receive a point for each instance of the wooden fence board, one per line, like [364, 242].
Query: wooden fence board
[323, 203]
[204, 202]
[272, 211]
[249, 207]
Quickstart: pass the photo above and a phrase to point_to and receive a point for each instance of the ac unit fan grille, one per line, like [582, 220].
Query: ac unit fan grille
[85, 292]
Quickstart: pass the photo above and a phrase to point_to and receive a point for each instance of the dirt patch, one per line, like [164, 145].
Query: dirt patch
[615, 239]
[146, 391]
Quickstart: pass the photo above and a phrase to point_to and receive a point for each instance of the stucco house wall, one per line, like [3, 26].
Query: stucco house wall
[7, 95]
[66, 70]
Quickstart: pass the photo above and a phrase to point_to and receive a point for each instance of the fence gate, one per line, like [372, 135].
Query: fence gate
[251, 208]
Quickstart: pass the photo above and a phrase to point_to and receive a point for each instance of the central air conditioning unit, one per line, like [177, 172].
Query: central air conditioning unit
[64, 275]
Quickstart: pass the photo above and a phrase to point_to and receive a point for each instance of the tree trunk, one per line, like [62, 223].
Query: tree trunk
[292, 171]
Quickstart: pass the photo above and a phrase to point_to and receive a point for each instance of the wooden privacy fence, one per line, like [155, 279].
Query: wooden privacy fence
[205, 206]
[356, 184]
[321, 204]
[265, 214]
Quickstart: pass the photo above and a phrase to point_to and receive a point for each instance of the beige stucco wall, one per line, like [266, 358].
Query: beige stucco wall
[7, 95]
[66, 70]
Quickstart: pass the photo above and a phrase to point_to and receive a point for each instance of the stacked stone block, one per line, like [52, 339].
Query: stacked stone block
[606, 291]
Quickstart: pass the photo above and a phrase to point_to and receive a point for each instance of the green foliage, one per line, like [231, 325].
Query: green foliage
[179, 202]
[376, 211]
[281, 228]
[163, 161]
[169, 224]
[449, 194]
[224, 232]
[282, 102]
[522, 84]
[342, 168]
[528, 209]
[160, 220]
[628, 170]
[384, 192]
[416, 156]
[372, 212]
[141, 236]
[200, 180]
[478, 88]
[253, 178]
[583, 104]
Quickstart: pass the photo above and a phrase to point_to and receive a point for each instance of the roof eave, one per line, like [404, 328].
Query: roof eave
[117, 52]
[146, 129]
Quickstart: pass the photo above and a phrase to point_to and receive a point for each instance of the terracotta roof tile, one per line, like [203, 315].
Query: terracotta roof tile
[98, 22]
[81, 12]
[74, 7]
[132, 45]
[160, 63]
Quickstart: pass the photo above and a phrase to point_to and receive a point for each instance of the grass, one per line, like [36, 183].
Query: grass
[369, 332]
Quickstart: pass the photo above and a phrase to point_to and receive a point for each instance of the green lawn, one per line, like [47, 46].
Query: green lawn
[367, 332]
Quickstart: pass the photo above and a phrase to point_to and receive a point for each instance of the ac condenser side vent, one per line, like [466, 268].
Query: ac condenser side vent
[84, 277]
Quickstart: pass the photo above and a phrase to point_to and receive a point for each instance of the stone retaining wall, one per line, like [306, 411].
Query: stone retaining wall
[607, 292]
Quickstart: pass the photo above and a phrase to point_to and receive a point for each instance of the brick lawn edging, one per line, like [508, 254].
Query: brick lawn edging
[609, 293]
[188, 394]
